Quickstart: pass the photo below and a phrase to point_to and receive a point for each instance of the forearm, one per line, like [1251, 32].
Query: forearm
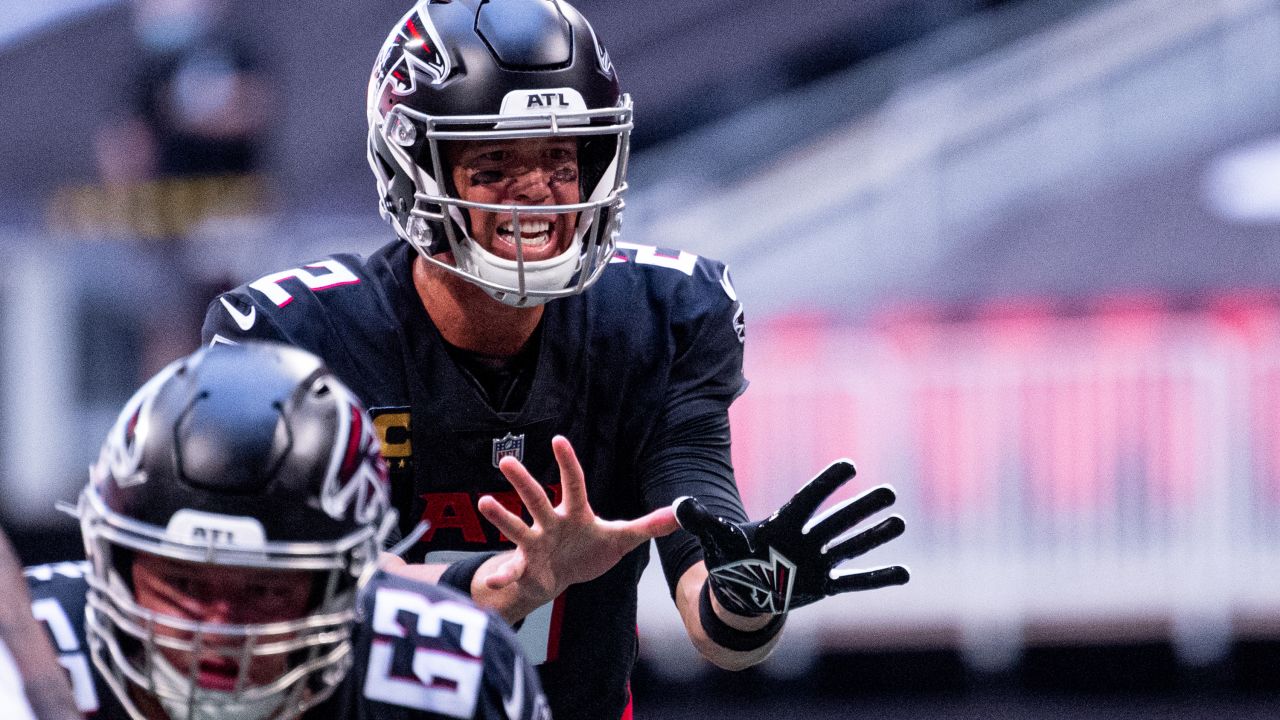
[512, 602]
[692, 458]
[28, 643]
[50, 697]
[44, 680]
[688, 602]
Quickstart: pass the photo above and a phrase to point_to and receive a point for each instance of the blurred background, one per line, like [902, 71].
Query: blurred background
[1020, 259]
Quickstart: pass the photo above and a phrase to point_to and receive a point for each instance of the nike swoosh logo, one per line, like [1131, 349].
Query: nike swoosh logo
[243, 320]
[514, 705]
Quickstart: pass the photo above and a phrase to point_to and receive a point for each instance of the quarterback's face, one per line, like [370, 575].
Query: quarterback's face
[531, 171]
[204, 593]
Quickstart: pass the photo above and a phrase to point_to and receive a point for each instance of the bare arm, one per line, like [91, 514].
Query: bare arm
[688, 592]
[45, 682]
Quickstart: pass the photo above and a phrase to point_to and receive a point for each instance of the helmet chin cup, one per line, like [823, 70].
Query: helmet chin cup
[554, 272]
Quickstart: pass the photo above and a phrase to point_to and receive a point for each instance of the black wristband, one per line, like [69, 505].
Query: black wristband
[460, 572]
[725, 635]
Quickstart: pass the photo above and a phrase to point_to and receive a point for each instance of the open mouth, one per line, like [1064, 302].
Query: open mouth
[534, 233]
[218, 675]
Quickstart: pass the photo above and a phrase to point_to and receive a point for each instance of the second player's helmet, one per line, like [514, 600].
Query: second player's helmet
[237, 461]
[492, 70]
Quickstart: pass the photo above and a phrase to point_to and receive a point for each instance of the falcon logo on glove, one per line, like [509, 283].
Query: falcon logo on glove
[789, 560]
[766, 586]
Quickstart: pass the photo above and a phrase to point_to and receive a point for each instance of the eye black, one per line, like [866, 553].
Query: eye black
[485, 177]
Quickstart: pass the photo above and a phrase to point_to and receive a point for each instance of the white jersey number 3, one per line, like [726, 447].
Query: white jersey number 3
[442, 682]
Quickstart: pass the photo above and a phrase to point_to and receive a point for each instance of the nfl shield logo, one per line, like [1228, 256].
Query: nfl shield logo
[512, 445]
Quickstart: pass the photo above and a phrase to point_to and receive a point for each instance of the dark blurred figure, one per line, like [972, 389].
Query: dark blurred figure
[195, 103]
[183, 150]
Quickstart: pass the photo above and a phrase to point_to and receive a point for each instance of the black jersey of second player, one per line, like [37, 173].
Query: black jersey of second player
[406, 629]
[656, 342]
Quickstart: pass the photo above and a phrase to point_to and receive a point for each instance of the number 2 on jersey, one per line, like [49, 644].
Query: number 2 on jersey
[335, 274]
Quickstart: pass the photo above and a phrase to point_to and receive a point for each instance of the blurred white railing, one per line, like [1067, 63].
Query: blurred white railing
[1070, 480]
[1121, 89]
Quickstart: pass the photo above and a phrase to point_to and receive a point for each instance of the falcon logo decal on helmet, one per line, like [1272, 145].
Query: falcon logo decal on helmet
[355, 483]
[413, 50]
[602, 55]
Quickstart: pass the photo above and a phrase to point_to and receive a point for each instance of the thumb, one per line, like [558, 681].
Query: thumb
[695, 518]
[503, 575]
[656, 524]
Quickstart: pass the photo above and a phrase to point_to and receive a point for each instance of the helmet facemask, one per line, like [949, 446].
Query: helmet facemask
[237, 506]
[439, 224]
[273, 669]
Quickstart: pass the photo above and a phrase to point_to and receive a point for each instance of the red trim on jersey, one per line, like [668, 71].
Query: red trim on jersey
[631, 700]
[337, 283]
[351, 458]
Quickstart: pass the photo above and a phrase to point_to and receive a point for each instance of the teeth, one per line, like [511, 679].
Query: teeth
[532, 232]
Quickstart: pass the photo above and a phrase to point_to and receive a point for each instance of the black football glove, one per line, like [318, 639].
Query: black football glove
[776, 564]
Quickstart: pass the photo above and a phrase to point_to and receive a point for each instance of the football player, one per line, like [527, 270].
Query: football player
[545, 393]
[232, 527]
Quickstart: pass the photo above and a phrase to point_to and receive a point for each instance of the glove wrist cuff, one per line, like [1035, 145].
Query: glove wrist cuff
[727, 636]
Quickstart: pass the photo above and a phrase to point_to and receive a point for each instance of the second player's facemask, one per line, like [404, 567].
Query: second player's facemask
[236, 507]
[197, 668]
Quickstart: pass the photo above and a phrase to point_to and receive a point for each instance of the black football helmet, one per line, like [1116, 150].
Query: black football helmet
[237, 457]
[485, 70]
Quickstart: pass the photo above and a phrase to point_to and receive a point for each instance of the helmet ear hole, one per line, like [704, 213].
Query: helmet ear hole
[320, 388]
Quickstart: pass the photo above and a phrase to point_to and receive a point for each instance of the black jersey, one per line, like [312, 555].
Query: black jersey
[420, 651]
[622, 370]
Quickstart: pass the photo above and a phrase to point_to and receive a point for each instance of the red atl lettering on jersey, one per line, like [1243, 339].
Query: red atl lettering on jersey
[459, 511]
[452, 511]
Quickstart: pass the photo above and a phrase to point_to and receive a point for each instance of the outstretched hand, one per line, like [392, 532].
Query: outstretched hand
[567, 543]
[786, 561]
